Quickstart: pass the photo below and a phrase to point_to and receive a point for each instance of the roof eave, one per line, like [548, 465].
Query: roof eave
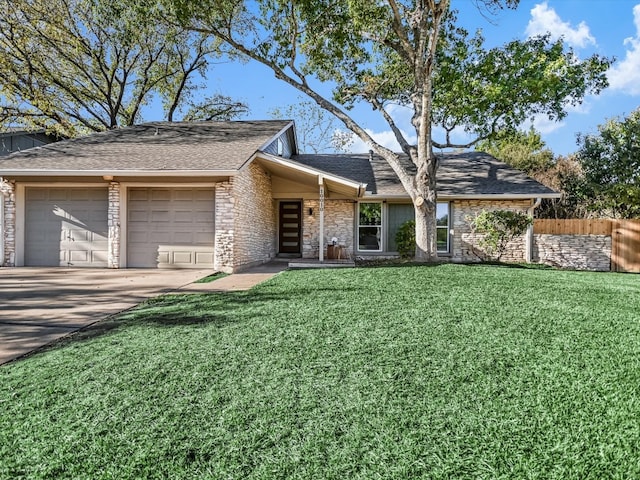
[360, 187]
[492, 196]
[120, 173]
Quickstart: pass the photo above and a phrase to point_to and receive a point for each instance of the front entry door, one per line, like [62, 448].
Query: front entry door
[290, 227]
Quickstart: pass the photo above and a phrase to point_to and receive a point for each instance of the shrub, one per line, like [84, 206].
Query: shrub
[498, 228]
[406, 239]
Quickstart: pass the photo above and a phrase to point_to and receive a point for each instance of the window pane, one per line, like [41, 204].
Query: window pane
[442, 237]
[369, 238]
[370, 214]
[398, 214]
[442, 214]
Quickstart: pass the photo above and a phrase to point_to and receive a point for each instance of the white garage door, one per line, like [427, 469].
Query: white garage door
[170, 227]
[66, 227]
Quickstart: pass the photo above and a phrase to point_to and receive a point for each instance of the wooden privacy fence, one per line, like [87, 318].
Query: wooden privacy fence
[625, 237]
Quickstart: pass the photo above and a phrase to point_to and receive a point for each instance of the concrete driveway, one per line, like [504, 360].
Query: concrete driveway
[40, 305]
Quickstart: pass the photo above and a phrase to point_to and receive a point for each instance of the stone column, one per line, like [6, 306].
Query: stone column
[113, 224]
[224, 236]
[7, 189]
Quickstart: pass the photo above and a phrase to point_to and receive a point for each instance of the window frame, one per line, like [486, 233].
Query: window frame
[381, 226]
[384, 227]
[443, 227]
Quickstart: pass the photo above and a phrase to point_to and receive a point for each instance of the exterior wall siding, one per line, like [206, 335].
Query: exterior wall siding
[9, 232]
[580, 252]
[338, 222]
[464, 243]
[113, 225]
[281, 146]
[254, 226]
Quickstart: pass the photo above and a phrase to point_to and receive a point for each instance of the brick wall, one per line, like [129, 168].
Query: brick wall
[465, 246]
[9, 232]
[113, 225]
[580, 252]
[338, 222]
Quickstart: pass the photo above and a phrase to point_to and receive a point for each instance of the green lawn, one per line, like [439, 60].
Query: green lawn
[416, 372]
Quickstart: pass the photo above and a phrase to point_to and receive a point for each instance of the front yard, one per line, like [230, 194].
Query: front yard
[416, 372]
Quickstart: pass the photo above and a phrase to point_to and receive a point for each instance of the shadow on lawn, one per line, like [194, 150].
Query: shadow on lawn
[219, 309]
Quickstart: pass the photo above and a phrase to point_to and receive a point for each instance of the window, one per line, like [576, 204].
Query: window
[395, 215]
[370, 227]
[442, 227]
[398, 213]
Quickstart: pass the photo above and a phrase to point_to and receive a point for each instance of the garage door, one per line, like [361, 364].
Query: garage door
[170, 227]
[66, 227]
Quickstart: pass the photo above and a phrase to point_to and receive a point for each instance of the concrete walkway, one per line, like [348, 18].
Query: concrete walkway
[41, 305]
[238, 281]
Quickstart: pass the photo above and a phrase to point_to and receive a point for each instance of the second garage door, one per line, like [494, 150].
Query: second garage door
[170, 227]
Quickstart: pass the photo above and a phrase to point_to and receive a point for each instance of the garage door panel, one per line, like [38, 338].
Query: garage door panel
[170, 227]
[138, 194]
[159, 195]
[160, 216]
[66, 226]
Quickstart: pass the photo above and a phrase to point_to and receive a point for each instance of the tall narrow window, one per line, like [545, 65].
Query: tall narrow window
[398, 214]
[370, 227]
[442, 227]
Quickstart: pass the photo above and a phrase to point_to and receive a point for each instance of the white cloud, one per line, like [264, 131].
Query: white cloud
[385, 138]
[542, 124]
[625, 75]
[546, 20]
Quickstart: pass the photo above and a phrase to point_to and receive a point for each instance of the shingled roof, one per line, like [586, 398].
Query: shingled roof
[459, 175]
[153, 146]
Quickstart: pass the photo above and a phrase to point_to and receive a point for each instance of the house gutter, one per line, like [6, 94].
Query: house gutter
[120, 173]
[529, 239]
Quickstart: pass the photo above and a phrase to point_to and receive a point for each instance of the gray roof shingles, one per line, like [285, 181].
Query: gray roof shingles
[153, 146]
[227, 146]
[468, 173]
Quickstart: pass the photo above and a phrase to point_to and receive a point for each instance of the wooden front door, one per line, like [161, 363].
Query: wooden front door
[290, 227]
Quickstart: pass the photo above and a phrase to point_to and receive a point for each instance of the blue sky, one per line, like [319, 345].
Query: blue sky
[607, 27]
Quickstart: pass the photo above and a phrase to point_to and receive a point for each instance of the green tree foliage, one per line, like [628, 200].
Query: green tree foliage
[79, 66]
[406, 239]
[610, 161]
[409, 52]
[498, 228]
[525, 151]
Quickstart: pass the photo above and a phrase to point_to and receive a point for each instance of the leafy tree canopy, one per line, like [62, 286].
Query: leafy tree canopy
[79, 66]
[610, 161]
[524, 150]
[408, 52]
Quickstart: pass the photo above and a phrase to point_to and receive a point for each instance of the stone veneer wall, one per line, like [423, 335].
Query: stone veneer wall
[9, 232]
[254, 239]
[113, 226]
[224, 227]
[338, 222]
[580, 252]
[465, 243]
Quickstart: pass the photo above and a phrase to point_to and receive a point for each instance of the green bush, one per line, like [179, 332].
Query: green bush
[498, 228]
[406, 239]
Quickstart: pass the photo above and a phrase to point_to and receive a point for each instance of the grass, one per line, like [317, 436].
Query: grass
[211, 278]
[409, 372]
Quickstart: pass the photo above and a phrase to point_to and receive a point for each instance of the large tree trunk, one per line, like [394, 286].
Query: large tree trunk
[425, 211]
